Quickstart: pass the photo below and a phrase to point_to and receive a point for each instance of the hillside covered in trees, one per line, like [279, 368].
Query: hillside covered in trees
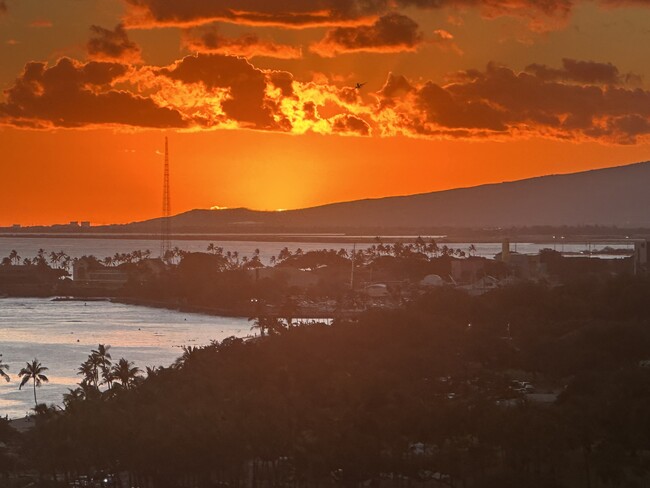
[523, 386]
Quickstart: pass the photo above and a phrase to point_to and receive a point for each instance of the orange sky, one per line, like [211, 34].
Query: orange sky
[458, 93]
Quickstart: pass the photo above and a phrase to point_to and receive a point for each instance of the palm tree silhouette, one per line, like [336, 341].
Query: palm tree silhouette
[3, 370]
[126, 373]
[14, 257]
[89, 370]
[33, 371]
[103, 359]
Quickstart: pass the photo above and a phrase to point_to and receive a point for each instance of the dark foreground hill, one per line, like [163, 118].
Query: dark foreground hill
[409, 397]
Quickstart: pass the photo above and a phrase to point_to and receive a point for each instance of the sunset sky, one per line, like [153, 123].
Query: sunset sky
[258, 99]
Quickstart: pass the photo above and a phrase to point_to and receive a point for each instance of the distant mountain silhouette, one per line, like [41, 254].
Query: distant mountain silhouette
[617, 196]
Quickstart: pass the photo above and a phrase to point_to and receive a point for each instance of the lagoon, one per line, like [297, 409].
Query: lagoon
[62, 334]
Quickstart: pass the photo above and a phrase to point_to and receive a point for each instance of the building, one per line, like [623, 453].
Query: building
[522, 266]
[432, 281]
[377, 290]
[641, 257]
[86, 271]
[292, 277]
[29, 280]
[467, 270]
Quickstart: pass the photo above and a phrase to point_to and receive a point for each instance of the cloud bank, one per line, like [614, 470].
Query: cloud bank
[112, 45]
[582, 100]
[209, 40]
[540, 15]
[389, 34]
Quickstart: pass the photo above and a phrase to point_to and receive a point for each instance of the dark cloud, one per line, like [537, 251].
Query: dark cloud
[499, 100]
[3, 7]
[246, 85]
[442, 108]
[350, 125]
[540, 15]
[588, 72]
[209, 40]
[310, 111]
[215, 91]
[548, 7]
[287, 13]
[390, 33]
[112, 45]
[71, 94]
[396, 85]
[282, 80]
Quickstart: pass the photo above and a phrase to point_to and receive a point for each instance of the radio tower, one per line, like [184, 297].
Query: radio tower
[166, 224]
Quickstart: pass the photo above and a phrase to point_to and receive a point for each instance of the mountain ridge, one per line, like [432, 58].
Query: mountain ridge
[610, 196]
[613, 196]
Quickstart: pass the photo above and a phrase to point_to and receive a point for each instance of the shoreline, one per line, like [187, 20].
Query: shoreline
[231, 313]
[329, 238]
[142, 302]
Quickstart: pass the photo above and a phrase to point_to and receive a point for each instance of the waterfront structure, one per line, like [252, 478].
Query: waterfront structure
[86, 271]
[641, 257]
[522, 266]
[467, 270]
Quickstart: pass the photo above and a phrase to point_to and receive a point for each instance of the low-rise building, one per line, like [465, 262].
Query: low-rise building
[86, 271]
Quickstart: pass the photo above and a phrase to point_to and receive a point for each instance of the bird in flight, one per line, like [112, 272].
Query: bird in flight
[358, 86]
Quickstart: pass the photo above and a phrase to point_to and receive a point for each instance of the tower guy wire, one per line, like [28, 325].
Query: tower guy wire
[165, 222]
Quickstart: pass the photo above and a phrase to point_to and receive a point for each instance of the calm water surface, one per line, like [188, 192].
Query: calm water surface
[102, 247]
[61, 335]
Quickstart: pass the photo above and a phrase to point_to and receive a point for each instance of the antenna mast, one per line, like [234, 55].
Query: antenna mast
[165, 230]
[354, 255]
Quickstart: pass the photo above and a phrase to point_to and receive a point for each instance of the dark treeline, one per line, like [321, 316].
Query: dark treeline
[230, 281]
[418, 396]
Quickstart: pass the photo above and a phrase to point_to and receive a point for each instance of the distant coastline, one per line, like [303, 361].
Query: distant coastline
[614, 235]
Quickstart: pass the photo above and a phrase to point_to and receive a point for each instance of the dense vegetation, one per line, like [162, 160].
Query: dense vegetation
[418, 396]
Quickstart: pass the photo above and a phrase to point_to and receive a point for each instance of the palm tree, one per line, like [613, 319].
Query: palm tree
[267, 325]
[40, 257]
[89, 369]
[103, 358]
[65, 264]
[73, 396]
[189, 352]
[14, 257]
[152, 371]
[126, 373]
[33, 371]
[3, 370]
[55, 258]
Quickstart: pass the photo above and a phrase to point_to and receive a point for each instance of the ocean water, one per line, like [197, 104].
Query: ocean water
[103, 247]
[62, 334]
